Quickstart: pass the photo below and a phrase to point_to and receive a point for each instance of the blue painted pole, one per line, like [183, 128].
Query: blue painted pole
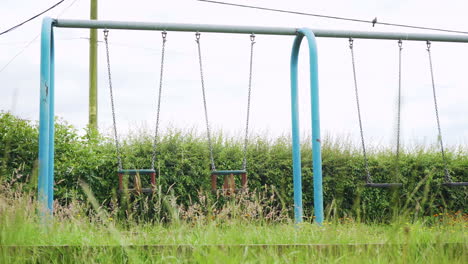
[50, 200]
[296, 141]
[44, 181]
[316, 141]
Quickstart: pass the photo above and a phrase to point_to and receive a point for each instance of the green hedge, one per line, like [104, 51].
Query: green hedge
[183, 166]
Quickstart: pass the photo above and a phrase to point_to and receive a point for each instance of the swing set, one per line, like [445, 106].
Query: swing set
[368, 178]
[229, 182]
[46, 117]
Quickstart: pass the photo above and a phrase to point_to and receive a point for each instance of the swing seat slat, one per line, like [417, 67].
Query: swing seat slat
[136, 171]
[137, 180]
[455, 184]
[384, 185]
[228, 172]
[142, 190]
[231, 189]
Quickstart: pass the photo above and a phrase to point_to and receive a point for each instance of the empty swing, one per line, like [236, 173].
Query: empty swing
[229, 186]
[368, 177]
[447, 179]
[137, 185]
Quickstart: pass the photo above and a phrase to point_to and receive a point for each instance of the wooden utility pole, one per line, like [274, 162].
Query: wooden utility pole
[93, 94]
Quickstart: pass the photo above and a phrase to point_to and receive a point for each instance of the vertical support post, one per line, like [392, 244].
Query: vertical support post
[296, 140]
[244, 181]
[93, 94]
[137, 183]
[120, 181]
[316, 141]
[46, 120]
[50, 200]
[226, 183]
[232, 184]
[213, 182]
[153, 180]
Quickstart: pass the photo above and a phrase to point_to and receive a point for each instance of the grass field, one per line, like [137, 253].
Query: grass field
[96, 237]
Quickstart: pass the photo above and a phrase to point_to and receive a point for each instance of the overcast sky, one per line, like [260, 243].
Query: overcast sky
[135, 65]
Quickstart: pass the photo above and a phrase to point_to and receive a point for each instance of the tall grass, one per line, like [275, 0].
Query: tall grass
[234, 234]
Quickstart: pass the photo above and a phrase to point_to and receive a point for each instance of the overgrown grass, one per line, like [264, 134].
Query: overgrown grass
[232, 235]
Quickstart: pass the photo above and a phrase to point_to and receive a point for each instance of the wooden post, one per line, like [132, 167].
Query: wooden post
[120, 181]
[153, 178]
[153, 181]
[226, 183]
[232, 184]
[244, 181]
[137, 182]
[213, 182]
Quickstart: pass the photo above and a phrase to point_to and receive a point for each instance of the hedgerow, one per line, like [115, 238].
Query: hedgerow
[183, 169]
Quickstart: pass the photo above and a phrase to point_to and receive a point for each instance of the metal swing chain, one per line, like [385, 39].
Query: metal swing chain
[117, 148]
[252, 42]
[400, 47]
[210, 145]
[366, 163]
[444, 159]
[155, 140]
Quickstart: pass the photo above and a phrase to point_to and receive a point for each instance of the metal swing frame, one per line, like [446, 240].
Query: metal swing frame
[47, 83]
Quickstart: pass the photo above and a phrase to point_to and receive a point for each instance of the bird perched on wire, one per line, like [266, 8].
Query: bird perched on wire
[374, 21]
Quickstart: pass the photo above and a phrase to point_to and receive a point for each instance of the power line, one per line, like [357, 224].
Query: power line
[373, 21]
[34, 39]
[19, 53]
[32, 18]
[13, 43]
[66, 8]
